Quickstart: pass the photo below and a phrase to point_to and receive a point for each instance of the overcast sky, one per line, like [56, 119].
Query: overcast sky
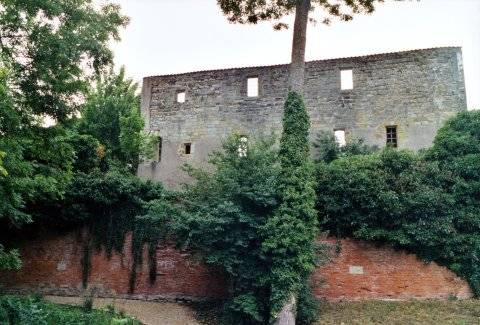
[173, 36]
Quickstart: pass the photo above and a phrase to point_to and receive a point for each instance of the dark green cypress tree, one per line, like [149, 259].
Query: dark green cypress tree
[291, 231]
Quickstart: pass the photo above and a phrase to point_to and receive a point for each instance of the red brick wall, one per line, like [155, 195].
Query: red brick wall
[359, 271]
[363, 271]
[52, 266]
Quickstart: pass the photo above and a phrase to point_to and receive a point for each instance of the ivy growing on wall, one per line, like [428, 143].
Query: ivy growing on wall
[291, 231]
[111, 205]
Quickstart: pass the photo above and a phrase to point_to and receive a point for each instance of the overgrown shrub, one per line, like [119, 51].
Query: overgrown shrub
[31, 311]
[111, 205]
[327, 149]
[427, 203]
[221, 219]
[292, 229]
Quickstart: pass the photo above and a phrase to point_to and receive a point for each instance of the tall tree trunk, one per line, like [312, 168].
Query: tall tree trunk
[287, 314]
[297, 80]
[297, 67]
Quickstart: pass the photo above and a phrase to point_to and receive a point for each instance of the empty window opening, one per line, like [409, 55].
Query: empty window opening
[159, 149]
[340, 137]
[181, 97]
[346, 78]
[243, 146]
[187, 148]
[252, 87]
[392, 140]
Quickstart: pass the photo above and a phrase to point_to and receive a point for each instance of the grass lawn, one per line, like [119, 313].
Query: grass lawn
[458, 312]
[36, 311]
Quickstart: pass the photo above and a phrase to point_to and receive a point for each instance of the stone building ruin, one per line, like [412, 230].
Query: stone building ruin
[397, 98]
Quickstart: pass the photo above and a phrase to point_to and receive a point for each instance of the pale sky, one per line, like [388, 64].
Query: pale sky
[174, 36]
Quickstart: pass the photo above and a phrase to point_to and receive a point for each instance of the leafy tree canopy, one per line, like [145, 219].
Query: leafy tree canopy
[254, 11]
[49, 50]
[52, 48]
[111, 115]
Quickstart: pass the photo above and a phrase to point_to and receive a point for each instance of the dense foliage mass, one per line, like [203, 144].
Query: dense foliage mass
[222, 216]
[111, 115]
[252, 214]
[239, 218]
[36, 311]
[110, 205]
[52, 48]
[427, 203]
[291, 231]
[40, 78]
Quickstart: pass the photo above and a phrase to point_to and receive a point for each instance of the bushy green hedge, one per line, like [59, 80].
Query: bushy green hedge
[427, 202]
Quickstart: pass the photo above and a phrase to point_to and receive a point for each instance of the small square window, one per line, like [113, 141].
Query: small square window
[340, 137]
[181, 97]
[392, 140]
[346, 78]
[252, 87]
[187, 148]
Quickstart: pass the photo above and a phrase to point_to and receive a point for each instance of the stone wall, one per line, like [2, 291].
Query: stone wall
[358, 270]
[414, 90]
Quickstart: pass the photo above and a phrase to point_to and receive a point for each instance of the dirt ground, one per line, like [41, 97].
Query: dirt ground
[149, 313]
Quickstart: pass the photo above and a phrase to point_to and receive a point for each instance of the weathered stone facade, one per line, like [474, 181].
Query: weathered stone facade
[416, 91]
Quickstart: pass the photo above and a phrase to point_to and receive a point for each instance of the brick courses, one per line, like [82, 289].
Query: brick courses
[52, 266]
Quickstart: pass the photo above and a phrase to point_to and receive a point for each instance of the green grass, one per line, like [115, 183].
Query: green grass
[459, 312]
[36, 311]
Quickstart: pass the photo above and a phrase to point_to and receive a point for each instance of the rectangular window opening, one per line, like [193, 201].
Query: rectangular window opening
[181, 97]
[346, 78]
[340, 138]
[159, 149]
[392, 140]
[187, 148]
[252, 87]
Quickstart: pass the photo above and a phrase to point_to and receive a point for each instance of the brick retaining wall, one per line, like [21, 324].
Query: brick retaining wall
[358, 271]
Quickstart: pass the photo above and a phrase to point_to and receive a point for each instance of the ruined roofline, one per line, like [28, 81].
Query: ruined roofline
[368, 56]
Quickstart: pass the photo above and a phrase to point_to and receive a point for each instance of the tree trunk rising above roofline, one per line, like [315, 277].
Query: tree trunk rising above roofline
[297, 67]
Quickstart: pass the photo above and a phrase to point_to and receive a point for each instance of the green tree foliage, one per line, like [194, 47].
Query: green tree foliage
[49, 50]
[9, 260]
[36, 311]
[291, 231]
[327, 149]
[110, 205]
[112, 116]
[254, 11]
[3, 171]
[222, 218]
[51, 45]
[425, 203]
[89, 152]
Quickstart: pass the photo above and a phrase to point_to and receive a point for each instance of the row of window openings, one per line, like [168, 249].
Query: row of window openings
[391, 136]
[340, 138]
[346, 83]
